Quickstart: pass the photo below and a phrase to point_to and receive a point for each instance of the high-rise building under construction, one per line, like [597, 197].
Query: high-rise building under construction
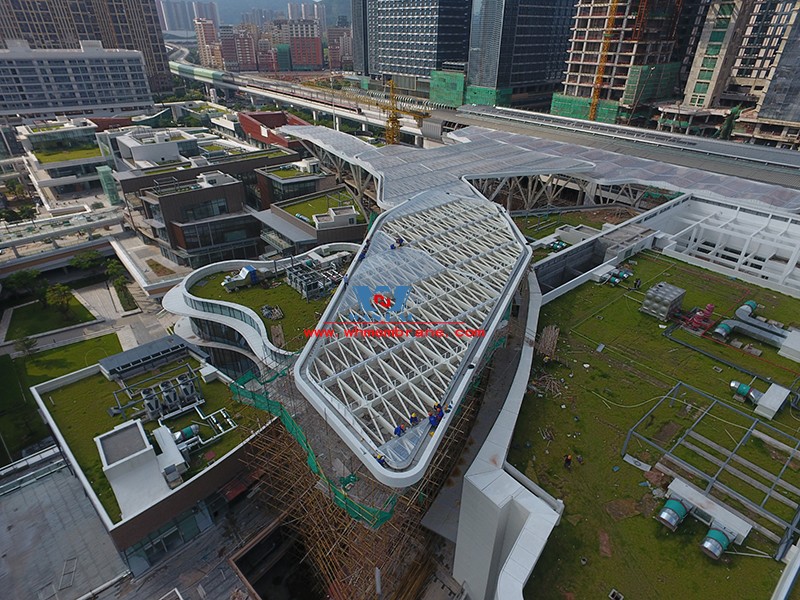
[622, 56]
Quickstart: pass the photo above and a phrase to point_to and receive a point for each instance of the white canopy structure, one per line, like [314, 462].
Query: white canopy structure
[449, 264]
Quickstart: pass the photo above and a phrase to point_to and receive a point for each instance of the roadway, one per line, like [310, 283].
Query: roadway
[326, 102]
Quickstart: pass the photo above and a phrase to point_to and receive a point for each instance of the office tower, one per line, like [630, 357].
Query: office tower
[689, 27]
[207, 43]
[407, 41]
[620, 59]
[123, 24]
[90, 80]
[206, 10]
[360, 38]
[518, 45]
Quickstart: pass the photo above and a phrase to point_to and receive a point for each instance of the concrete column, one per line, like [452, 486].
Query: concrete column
[418, 140]
[15, 251]
[315, 115]
[337, 123]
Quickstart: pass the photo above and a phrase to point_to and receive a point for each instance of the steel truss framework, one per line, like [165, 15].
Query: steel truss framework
[458, 255]
[529, 192]
[732, 466]
[344, 551]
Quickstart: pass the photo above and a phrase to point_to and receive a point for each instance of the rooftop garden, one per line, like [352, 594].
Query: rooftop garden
[612, 364]
[52, 155]
[288, 173]
[81, 412]
[43, 128]
[33, 319]
[170, 169]
[316, 205]
[299, 314]
[542, 225]
[20, 424]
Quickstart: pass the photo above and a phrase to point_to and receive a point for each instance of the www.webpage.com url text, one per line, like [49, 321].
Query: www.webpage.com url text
[393, 332]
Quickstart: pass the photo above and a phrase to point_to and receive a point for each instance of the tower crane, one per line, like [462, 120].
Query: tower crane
[603, 61]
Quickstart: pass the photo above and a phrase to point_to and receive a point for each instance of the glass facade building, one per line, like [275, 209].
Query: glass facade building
[409, 37]
[517, 49]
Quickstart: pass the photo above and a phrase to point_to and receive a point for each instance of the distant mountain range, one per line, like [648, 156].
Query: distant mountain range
[230, 11]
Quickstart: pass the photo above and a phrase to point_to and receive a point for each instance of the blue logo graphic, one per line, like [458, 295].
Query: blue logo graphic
[382, 304]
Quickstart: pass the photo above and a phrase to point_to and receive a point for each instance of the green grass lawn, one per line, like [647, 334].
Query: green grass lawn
[80, 410]
[50, 156]
[540, 226]
[20, 423]
[299, 314]
[287, 173]
[591, 416]
[320, 204]
[33, 319]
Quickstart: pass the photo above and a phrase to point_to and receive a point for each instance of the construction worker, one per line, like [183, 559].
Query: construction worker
[440, 413]
[399, 430]
[568, 461]
[381, 460]
[433, 420]
[414, 419]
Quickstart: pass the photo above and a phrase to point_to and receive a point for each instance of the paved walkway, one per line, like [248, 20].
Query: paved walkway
[133, 330]
[101, 300]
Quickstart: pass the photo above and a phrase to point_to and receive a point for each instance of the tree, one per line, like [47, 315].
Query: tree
[88, 259]
[9, 216]
[28, 212]
[25, 281]
[26, 345]
[14, 187]
[59, 296]
[115, 270]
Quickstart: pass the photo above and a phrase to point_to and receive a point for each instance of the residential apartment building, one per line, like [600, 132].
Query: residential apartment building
[208, 46]
[340, 47]
[227, 47]
[206, 10]
[120, 24]
[37, 83]
[179, 15]
[305, 42]
[745, 69]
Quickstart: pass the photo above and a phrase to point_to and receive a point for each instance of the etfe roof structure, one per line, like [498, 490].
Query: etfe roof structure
[440, 270]
[477, 152]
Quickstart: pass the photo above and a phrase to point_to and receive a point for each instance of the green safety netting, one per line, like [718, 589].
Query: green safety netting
[374, 517]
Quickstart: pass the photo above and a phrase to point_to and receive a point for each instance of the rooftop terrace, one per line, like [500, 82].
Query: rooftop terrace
[320, 203]
[81, 412]
[298, 314]
[62, 155]
[613, 364]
